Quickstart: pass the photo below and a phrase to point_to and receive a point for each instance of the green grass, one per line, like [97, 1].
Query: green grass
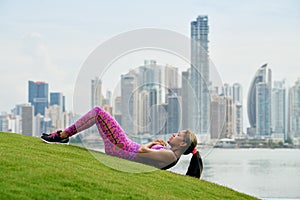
[31, 169]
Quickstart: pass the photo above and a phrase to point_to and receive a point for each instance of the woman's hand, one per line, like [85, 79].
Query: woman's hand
[155, 142]
[161, 142]
[147, 147]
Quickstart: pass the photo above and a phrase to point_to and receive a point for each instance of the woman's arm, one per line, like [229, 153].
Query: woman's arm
[156, 158]
[147, 147]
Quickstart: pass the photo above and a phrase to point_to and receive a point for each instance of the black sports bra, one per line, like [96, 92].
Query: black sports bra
[171, 164]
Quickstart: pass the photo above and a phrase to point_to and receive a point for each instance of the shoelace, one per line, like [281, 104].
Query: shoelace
[55, 134]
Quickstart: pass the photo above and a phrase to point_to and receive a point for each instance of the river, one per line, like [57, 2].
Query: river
[263, 173]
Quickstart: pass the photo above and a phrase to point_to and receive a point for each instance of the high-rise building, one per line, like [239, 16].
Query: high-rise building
[108, 97]
[238, 119]
[118, 105]
[279, 108]
[259, 102]
[228, 128]
[171, 80]
[38, 96]
[217, 116]
[237, 98]
[54, 113]
[118, 110]
[174, 114]
[57, 98]
[96, 92]
[200, 75]
[3, 122]
[37, 125]
[154, 110]
[149, 75]
[263, 109]
[14, 123]
[294, 110]
[129, 98]
[27, 114]
[162, 119]
[185, 92]
[46, 125]
[237, 93]
[143, 112]
[227, 90]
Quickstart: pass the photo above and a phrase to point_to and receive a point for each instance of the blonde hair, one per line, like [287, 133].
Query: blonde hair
[191, 139]
[196, 165]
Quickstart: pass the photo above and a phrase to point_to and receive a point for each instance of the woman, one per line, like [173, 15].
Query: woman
[116, 143]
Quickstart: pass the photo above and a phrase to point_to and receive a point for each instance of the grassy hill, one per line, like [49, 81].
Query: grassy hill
[31, 169]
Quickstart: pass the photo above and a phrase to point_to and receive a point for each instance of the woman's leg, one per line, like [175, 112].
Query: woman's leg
[115, 140]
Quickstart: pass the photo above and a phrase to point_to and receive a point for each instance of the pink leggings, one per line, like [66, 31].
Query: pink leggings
[115, 140]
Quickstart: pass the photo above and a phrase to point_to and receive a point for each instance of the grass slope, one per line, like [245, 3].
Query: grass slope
[31, 169]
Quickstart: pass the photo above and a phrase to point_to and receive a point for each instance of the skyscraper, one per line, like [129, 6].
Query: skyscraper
[294, 110]
[174, 114]
[238, 119]
[38, 96]
[237, 97]
[200, 74]
[128, 105]
[3, 122]
[96, 92]
[171, 80]
[259, 101]
[279, 108]
[27, 112]
[237, 93]
[118, 109]
[263, 109]
[143, 112]
[218, 117]
[186, 91]
[57, 98]
[227, 90]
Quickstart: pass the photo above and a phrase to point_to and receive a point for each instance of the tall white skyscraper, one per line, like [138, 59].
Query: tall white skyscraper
[200, 74]
[263, 109]
[294, 110]
[237, 93]
[129, 102]
[27, 115]
[186, 92]
[143, 112]
[3, 122]
[259, 102]
[171, 76]
[237, 97]
[96, 92]
[279, 108]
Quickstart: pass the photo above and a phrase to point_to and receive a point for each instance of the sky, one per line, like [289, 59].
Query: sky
[50, 40]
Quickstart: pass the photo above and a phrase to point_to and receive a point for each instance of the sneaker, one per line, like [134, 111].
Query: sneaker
[54, 138]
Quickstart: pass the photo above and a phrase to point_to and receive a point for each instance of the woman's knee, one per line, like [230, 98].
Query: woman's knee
[97, 109]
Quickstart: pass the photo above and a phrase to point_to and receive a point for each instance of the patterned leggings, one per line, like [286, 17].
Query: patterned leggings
[115, 140]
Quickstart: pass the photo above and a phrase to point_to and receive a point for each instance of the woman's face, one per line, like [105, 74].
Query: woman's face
[177, 139]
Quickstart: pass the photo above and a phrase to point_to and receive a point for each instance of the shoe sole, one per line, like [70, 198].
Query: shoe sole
[54, 142]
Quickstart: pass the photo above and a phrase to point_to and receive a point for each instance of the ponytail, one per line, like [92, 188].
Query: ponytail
[196, 166]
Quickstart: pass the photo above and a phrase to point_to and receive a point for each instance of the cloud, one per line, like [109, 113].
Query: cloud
[38, 63]
[34, 47]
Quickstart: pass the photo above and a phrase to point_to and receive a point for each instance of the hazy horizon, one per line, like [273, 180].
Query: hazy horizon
[49, 41]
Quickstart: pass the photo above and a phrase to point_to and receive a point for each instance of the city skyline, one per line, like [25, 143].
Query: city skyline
[141, 84]
[42, 47]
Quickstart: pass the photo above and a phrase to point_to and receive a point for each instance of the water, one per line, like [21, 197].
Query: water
[263, 173]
